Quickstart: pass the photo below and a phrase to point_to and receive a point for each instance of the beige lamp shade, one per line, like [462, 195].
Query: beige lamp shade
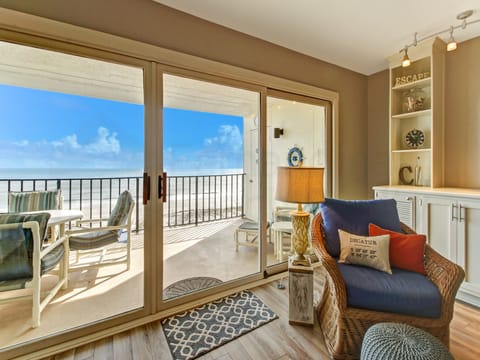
[301, 185]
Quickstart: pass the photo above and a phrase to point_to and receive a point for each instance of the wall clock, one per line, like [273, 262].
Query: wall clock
[295, 157]
[414, 138]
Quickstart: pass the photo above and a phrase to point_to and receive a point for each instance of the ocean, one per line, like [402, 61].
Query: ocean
[64, 173]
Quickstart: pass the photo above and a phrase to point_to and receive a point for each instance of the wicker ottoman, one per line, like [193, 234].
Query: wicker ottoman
[392, 341]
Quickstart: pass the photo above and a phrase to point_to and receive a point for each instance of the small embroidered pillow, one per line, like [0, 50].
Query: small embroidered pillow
[371, 251]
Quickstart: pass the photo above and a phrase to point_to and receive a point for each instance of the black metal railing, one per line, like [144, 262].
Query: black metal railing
[95, 196]
[197, 199]
[190, 200]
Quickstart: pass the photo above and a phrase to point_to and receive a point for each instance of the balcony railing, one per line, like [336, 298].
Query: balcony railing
[197, 199]
[190, 200]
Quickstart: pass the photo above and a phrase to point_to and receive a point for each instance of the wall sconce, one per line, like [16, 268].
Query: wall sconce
[277, 132]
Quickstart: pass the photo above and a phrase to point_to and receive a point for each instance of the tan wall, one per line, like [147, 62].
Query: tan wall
[147, 21]
[462, 115]
[377, 167]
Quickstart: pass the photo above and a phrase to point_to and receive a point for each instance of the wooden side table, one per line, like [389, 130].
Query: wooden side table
[300, 296]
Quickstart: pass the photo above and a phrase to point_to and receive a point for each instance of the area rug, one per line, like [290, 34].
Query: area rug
[189, 285]
[198, 331]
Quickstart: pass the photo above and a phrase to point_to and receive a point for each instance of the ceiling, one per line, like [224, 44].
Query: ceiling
[357, 35]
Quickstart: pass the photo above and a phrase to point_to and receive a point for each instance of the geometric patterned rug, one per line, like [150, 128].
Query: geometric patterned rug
[200, 330]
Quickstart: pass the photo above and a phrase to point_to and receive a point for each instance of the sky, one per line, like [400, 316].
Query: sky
[42, 129]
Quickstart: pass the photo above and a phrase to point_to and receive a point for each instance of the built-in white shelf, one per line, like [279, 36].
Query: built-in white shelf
[414, 84]
[412, 114]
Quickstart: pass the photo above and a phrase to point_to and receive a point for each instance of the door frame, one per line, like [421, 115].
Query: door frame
[33, 30]
[71, 334]
[197, 297]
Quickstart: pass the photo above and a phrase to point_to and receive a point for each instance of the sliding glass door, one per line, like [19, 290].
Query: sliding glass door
[210, 182]
[74, 127]
[196, 154]
[298, 129]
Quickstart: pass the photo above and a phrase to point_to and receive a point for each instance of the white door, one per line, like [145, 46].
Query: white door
[438, 222]
[468, 246]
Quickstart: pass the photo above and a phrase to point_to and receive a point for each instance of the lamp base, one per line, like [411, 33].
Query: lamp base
[300, 260]
[300, 222]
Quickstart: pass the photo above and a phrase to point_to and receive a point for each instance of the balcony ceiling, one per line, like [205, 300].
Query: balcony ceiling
[357, 35]
[41, 69]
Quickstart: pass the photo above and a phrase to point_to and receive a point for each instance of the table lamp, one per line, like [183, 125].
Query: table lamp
[301, 185]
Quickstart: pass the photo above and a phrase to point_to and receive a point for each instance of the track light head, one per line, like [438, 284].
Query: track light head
[406, 60]
[452, 44]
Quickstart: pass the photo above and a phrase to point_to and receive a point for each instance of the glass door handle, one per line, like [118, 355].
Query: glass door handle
[162, 187]
[146, 188]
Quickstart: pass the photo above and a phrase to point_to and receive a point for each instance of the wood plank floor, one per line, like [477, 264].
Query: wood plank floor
[276, 340]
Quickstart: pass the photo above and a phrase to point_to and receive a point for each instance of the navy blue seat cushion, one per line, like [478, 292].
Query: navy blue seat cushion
[403, 292]
[354, 216]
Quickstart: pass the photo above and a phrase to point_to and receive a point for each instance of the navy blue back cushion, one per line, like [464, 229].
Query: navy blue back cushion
[354, 216]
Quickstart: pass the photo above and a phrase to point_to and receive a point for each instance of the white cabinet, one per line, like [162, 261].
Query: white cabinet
[468, 248]
[452, 226]
[450, 218]
[437, 220]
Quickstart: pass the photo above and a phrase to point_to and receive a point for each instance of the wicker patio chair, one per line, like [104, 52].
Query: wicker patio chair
[343, 327]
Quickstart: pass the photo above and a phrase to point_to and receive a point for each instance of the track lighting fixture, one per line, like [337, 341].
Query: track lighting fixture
[406, 60]
[451, 44]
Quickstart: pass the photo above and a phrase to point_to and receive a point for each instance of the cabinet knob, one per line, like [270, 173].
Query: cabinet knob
[409, 198]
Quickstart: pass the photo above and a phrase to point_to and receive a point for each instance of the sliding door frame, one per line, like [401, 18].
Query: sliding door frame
[198, 297]
[149, 126]
[329, 147]
[40, 32]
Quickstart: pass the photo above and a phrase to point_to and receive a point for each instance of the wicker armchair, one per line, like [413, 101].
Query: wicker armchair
[343, 327]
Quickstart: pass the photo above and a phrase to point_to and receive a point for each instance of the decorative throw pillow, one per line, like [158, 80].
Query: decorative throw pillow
[407, 251]
[371, 251]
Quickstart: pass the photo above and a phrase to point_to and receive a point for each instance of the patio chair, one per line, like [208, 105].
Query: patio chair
[24, 258]
[38, 200]
[25, 201]
[91, 240]
[356, 297]
[250, 229]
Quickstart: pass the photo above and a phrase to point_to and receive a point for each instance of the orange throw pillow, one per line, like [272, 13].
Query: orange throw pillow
[407, 251]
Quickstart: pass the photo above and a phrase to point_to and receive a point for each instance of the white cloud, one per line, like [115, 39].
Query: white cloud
[104, 150]
[69, 141]
[223, 151]
[229, 136]
[22, 143]
[104, 143]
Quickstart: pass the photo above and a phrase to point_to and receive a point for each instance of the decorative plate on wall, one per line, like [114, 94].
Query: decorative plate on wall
[414, 138]
[295, 157]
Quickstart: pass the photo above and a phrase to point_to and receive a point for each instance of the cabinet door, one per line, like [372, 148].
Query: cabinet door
[405, 205]
[438, 222]
[468, 245]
